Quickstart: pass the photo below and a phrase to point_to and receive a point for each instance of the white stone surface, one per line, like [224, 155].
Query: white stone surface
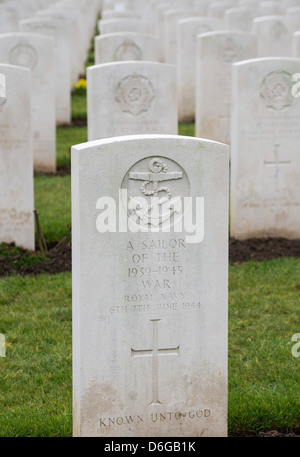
[126, 98]
[265, 160]
[36, 52]
[114, 47]
[274, 35]
[270, 8]
[295, 14]
[149, 308]
[9, 18]
[16, 160]
[56, 29]
[188, 29]
[80, 33]
[122, 25]
[72, 37]
[217, 9]
[296, 44]
[2, 91]
[115, 14]
[216, 51]
[239, 19]
[171, 18]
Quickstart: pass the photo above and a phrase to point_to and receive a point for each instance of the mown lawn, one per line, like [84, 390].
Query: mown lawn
[264, 377]
[36, 374]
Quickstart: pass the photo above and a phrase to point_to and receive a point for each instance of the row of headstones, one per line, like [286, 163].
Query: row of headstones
[150, 236]
[272, 21]
[70, 25]
[28, 115]
[141, 98]
[199, 56]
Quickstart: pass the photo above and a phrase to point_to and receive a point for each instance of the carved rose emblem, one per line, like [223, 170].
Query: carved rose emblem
[135, 94]
[276, 90]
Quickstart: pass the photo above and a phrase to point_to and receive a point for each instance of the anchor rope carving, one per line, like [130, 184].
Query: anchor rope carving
[158, 173]
[162, 168]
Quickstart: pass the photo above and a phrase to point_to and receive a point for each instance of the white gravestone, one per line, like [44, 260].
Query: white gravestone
[79, 36]
[126, 98]
[270, 8]
[295, 14]
[115, 47]
[171, 18]
[265, 160]
[57, 30]
[36, 52]
[2, 92]
[122, 25]
[188, 29]
[150, 306]
[16, 158]
[217, 9]
[216, 51]
[72, 37]
[113, 14]
[9, 18]
[239, 19]
[274, 35]
[296, 44]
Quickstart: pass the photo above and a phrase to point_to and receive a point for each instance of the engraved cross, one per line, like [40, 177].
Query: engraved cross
[155, 352]
[277, 164]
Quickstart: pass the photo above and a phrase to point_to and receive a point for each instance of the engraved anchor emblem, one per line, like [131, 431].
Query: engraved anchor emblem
[158, 173]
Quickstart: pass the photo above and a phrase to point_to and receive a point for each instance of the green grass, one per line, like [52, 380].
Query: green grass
[35, 375]
[79, 107]
[186, 129]
[264, 377]
[53, 204]
[65, 139]
[36, 378]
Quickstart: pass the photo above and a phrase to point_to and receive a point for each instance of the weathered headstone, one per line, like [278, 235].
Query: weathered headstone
[140, 98]
[80, 32]
[296, 44]
[57, 30]
[16, 158]
[265, 160]
[274, 35]
[72, 37]
[115, 14]
[2, 92]
[171, 18]
[149, 299]
[9, 18]
[36, 52]
[122, 25]
[114, 47]
[216, 51]
[188, 29]
[270, 8]
[239, 19]
[295, 14]
[218, 8]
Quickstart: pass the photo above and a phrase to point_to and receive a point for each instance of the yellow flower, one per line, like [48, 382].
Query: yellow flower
[81, 84]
